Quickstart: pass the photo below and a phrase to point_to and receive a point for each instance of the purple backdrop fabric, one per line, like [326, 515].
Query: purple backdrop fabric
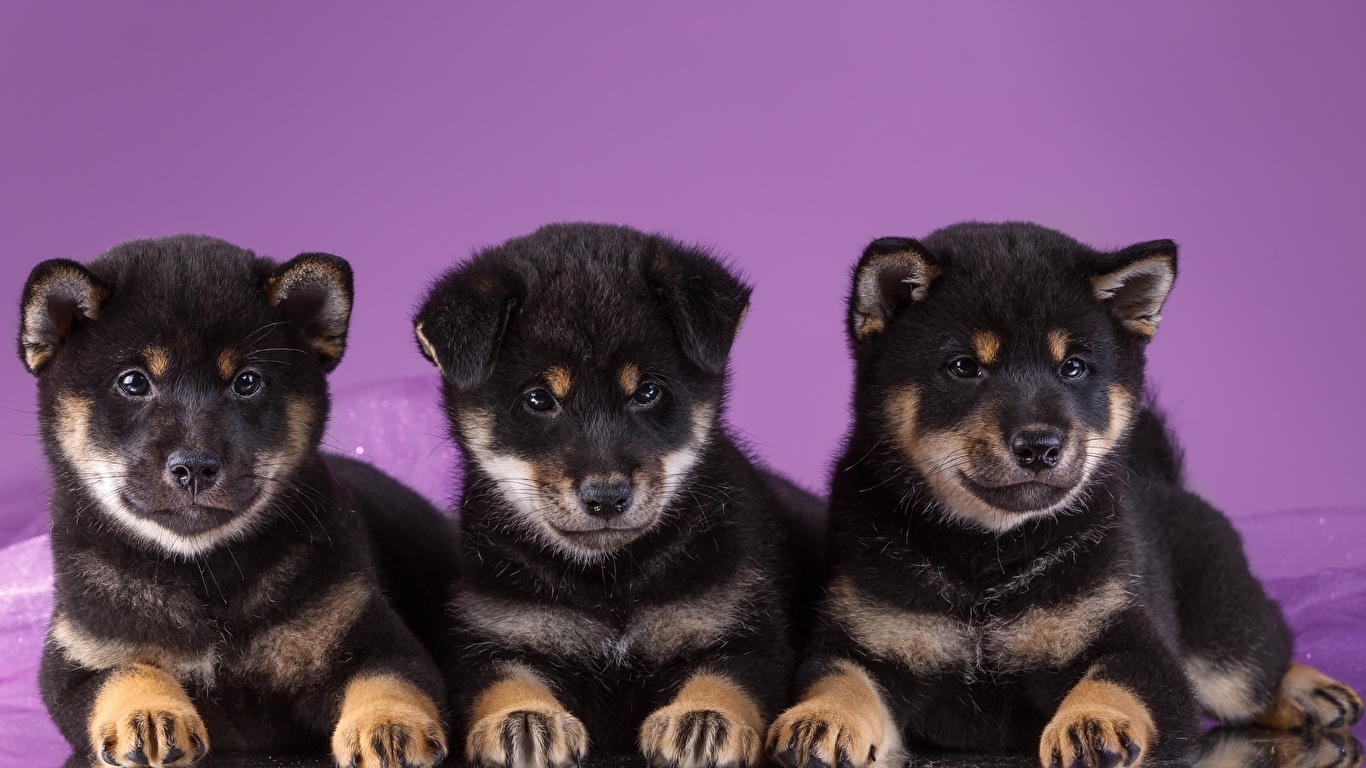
[787, 135]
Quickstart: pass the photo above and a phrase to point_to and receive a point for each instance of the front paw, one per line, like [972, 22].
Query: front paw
[817, 733]
[387, 721]
[525, 738]
[1307, 699]
[142, 717]
[681, 737]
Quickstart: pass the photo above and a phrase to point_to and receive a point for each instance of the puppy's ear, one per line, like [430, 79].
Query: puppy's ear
[60, 297]
[892, 273]
[1134, 283]
[462, 320]
[314, 292]
[705, 302]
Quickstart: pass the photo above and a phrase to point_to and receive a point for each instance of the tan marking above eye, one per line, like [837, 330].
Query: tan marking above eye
[987, 345]
[158, 360]
[557, 378]
[1057, 344]
[629, 378]
[227, 363]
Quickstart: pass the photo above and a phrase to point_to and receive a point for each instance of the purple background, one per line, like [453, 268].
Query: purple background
[402, 136]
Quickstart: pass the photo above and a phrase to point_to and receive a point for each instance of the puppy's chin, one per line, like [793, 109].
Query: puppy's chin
[584, 537]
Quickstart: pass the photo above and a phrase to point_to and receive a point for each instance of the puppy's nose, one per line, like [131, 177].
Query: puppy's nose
[605, 498]
[1037, 448]
[194, 471]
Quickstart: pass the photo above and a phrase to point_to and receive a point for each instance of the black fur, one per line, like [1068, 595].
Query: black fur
[587, 301]
[118, 576]
[909, 544]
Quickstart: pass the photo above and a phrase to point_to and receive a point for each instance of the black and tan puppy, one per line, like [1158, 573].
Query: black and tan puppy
[214, 574]
[1016, 565]
[623, 563]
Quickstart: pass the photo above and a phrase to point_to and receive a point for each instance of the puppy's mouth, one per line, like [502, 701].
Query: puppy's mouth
[602, 538]
[1029, 496]
[190, 519]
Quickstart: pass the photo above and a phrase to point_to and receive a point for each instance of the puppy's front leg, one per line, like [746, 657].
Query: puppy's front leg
[518, 722]
[387, 721]
[711, 723]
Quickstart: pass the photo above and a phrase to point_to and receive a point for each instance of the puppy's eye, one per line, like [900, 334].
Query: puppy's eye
[134, 384]
[539, 400]
[1072, 368]
[246, 384]
[646, 395]
[965, 368]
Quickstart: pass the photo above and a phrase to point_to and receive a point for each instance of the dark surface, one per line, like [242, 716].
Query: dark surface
[1219, 749]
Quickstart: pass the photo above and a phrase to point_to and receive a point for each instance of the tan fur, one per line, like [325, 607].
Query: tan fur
[557, 378]
[869, 313]
[843, 713]
[427, 348]
[655, 632]
[521, 706]
[291, 655]
[930, 643]
[1226, 690]
[386, 721]
[158, 361]
[1104, 715]
[1053, 637]
[1145, 316]
[100, 653]
[629, 378]
[1308, 698]
[227, 363]
[987, 345]
[69, 284]
[136, 709]
[1057, 344]
[711, 722]
[927, 643]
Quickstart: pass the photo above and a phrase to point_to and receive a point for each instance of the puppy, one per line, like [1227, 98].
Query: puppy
[214, 576]
[624, 571]
[1015, 563]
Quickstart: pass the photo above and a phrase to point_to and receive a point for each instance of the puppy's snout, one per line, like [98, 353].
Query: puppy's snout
[605, 499]
[1037, 448]
[194, 471]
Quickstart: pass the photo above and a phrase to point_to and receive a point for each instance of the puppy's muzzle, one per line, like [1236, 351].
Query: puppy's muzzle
[605, 499]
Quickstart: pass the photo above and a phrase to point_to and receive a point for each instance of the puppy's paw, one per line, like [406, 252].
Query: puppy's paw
[820, 733]
[1231, 747]
[387, 722]
[841, 722]
[526, 738]
[142, 717]
[711, 723]
[1099, 725]
[1307, 699]
[518, 723]
[698, 738]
